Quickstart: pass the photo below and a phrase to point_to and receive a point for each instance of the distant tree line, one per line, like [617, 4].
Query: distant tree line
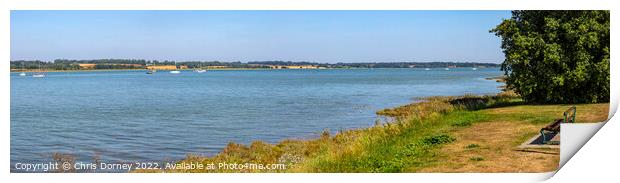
[66, 64]
[414, 64]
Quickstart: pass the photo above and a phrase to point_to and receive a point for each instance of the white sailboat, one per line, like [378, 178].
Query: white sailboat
[200, 69]
[38, 74]
[22, 73]
[151, 71]
[427, 69]
[175, 71]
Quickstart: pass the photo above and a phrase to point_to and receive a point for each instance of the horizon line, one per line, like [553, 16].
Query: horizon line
[152, 60]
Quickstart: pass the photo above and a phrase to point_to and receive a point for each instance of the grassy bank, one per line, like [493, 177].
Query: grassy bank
[441, 134]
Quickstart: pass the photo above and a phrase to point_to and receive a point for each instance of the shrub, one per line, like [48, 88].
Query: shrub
[437, 140]
[557, 56]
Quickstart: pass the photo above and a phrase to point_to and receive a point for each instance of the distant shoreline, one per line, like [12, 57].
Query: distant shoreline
[218, 69]
[103, 70]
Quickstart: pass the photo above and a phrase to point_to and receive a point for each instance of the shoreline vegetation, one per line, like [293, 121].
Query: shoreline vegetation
[440, 134]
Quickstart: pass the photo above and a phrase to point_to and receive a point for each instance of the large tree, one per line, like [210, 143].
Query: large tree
[557, 56]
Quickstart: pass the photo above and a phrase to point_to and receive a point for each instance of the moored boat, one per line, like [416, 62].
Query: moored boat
[38, 75]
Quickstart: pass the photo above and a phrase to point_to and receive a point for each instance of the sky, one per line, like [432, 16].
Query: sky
[316, 36]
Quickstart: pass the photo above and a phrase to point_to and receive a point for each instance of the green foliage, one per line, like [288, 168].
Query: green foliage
[437, 140]
[476, 158]
[557, 56]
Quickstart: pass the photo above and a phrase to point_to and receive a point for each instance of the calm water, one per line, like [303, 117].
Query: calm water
[131, 116]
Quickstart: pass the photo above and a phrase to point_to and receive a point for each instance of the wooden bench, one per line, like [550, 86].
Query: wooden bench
[554, 127]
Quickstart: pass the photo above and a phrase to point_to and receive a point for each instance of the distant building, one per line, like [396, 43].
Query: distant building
[92, 66]
[128, 65]
[87, 66]
[276, 66]
[302, 67]
[293, 67]
[162, 67]
[216, 67]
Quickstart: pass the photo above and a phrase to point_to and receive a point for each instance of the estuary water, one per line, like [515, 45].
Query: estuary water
[128, 116]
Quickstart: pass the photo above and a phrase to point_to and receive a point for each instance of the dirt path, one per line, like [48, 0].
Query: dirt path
[490, 147]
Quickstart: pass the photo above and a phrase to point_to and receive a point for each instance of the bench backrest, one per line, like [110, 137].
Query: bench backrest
[570, 114]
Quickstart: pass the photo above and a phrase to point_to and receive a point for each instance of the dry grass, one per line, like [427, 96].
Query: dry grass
[496, 141]
[586, 113]
[495, 152]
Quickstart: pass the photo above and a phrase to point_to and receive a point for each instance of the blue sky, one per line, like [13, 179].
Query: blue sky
[319, 36]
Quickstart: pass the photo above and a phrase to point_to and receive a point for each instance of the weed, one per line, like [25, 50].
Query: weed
[471, 146]
[476, 158]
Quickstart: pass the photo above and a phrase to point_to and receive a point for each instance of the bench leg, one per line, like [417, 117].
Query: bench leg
[542, 134]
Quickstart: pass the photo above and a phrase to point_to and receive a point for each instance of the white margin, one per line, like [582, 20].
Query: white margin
[599, 157]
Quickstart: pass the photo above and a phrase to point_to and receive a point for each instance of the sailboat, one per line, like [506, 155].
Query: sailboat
[427, 69]
[200, 69]
[22, 73]
[38, 74]
[151, 71]
[175, 71]
[474, 67]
